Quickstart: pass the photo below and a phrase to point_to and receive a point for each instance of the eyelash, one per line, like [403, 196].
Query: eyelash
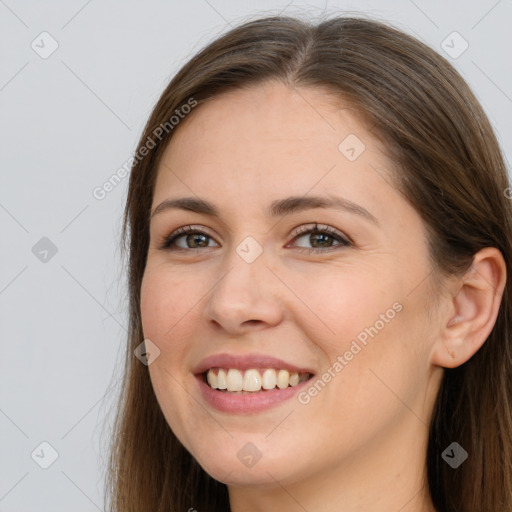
[303, 230]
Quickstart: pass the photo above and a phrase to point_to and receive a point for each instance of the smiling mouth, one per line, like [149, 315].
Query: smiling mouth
[254, 380]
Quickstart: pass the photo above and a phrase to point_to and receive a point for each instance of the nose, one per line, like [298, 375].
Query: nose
[245, 297]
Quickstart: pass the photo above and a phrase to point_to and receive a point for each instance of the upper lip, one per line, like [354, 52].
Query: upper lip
[246, 362]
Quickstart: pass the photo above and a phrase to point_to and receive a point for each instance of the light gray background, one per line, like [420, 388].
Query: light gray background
[68, 122]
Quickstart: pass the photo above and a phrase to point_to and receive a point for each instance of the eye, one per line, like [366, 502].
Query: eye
[322, 237]
[196, 238]
[193, 236]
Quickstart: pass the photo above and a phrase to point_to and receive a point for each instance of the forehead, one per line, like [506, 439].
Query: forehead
[271, 113]
[261, 127]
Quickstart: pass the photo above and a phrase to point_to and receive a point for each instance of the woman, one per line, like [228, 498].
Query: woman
[319, 237]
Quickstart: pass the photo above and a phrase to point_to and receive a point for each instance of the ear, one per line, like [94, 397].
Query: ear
[474, 304]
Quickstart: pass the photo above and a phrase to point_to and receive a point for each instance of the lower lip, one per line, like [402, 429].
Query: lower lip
[247, 403]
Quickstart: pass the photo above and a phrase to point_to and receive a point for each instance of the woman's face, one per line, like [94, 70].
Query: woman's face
[347, 305]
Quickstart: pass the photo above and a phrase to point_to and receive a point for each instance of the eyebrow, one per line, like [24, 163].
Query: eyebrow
[277, 208]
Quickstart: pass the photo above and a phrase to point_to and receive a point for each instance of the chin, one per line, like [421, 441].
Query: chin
[234, 473]
[245, 462]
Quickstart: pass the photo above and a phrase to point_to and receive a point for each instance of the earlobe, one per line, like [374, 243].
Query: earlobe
[474, 307]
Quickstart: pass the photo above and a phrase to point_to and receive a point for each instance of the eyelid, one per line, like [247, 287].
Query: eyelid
[316, 227]
[343, 239]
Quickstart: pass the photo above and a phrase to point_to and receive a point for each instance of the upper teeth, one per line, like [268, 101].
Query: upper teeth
[251, 380]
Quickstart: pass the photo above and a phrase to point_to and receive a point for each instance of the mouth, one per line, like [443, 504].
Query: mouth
[252, 380]
[249, 383]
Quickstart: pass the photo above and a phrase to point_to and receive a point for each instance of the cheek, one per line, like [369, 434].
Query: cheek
[342, 304]
[164, 306]
[152, 294]
[363, 326]
[167, 300]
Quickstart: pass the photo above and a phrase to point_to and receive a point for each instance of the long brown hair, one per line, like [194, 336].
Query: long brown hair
[448, 165]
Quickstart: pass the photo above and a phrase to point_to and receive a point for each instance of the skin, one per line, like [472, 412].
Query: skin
[360, 443]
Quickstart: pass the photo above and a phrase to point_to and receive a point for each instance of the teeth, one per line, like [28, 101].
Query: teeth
[212, 380]
[252, 380]
[269, 379]
[283, 377]
[235, 380]
[222, 381]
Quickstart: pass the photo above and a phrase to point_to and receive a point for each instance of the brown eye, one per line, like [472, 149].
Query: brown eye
[194, 241]
[194, 238]
[322, 240]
